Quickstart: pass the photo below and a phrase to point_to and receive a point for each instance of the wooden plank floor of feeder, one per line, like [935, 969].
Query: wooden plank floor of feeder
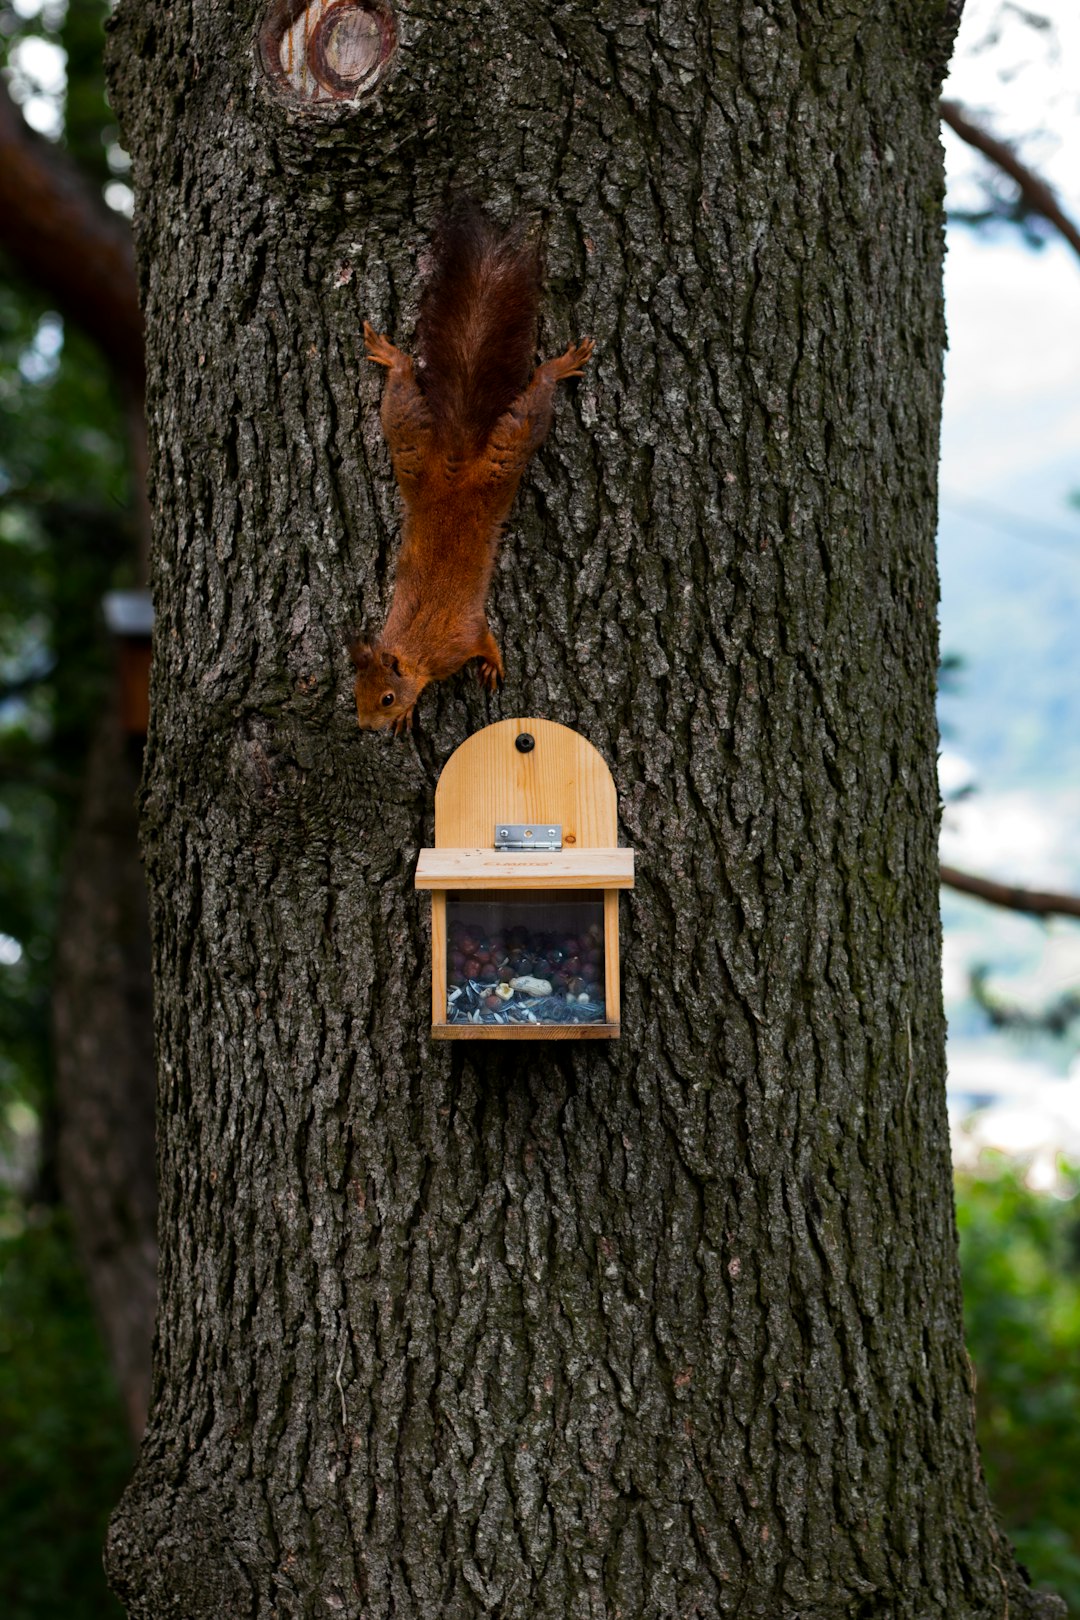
[525, 1032]
[563, 780]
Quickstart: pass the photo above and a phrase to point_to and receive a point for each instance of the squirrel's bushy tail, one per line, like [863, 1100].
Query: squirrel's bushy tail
[476, 332]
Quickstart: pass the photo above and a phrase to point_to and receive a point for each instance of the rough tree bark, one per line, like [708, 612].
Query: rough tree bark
[664, 1329]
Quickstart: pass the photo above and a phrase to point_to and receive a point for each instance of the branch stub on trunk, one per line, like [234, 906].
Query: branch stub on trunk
[328, 50]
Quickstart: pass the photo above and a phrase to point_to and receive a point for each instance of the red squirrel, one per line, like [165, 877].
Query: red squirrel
[461, 423]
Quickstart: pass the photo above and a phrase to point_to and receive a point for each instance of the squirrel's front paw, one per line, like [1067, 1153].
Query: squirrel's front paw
[403, 723]
[490, 675]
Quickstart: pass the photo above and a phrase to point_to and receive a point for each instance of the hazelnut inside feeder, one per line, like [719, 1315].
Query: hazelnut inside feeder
[524, 881]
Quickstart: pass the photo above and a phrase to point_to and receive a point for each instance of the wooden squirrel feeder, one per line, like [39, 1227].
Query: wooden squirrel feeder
[524, 877]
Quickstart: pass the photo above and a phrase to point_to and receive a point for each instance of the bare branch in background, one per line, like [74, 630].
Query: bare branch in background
[1033, 901]
[1035, 192]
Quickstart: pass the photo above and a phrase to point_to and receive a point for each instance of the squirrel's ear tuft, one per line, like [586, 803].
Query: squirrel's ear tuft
[360, 653]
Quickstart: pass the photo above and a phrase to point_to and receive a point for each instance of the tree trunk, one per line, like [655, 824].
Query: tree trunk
[666, 1327]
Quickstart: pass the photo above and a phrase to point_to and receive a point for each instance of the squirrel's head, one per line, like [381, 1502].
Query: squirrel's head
[385, 692]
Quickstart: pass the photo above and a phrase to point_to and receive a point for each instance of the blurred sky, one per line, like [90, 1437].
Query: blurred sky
[1010, 567]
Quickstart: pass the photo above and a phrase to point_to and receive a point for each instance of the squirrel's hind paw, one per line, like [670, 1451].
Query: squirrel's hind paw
[574, 361]
[379, 348]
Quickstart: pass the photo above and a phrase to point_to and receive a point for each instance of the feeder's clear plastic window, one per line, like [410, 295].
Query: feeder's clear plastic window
[514, 958]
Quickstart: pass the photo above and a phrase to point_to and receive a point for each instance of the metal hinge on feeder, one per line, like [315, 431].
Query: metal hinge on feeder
[534, 835]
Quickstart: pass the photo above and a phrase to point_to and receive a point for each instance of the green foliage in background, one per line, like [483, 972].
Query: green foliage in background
[1020, 1255]
[65, 536]
[64, 1457]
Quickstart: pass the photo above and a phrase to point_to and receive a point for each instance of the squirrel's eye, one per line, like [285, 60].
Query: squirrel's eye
[386, 699]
